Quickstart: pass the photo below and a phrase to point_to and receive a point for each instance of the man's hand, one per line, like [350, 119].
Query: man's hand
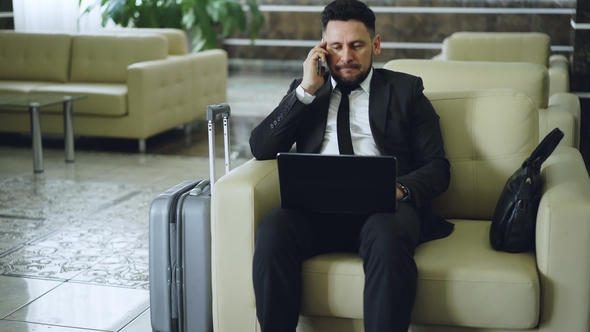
[311, 80]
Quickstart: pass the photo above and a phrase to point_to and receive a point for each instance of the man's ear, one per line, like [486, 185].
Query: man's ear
[377, 45]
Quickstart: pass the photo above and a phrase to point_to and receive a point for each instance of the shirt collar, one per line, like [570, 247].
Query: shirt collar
[365, 85]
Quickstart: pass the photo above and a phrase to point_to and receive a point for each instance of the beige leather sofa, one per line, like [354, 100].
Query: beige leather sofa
[463, 284]
[560, 110]
[135, 88]
[534, 47]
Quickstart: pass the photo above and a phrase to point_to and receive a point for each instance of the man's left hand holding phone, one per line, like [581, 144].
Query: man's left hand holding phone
[314, 68]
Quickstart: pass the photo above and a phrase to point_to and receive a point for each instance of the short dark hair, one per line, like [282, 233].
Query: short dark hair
[345, 10]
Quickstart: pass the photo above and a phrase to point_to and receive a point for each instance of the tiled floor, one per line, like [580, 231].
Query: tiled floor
[74, 240]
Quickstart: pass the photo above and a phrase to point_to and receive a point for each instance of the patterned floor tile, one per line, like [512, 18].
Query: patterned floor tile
[69, 251]
[45, 198]
[126, 268]
[15, 232]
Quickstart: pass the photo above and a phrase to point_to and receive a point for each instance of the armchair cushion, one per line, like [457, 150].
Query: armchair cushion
[530, 78]
[532, 47]
[533, 79]
[487, 135]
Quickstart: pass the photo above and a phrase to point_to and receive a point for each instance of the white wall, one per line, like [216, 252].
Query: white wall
[56, 15]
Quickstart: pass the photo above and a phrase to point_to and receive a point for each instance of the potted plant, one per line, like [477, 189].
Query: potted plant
[204, 20]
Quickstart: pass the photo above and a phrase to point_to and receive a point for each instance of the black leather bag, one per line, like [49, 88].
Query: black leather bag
[515, 217]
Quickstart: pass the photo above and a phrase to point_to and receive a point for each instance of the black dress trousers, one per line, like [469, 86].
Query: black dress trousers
[386, 242]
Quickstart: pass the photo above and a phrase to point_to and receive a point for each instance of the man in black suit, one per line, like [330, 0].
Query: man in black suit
[388, 115]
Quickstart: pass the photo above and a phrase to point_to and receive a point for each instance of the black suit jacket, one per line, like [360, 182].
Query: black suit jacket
[403, 122]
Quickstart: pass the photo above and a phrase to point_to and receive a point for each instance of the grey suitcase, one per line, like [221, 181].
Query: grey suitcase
[180, 247]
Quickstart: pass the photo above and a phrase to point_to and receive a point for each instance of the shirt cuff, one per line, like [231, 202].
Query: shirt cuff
[303, 96]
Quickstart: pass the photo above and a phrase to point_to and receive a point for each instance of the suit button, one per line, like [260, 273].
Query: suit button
[272, 126]
[275, 122]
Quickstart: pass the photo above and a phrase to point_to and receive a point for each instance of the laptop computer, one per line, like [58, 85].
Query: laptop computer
[337, 183]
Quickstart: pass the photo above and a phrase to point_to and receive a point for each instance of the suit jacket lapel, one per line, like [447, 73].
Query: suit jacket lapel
[378, 106]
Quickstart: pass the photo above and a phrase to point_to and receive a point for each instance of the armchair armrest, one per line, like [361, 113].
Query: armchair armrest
[159, 92]
[563, 242]
[439, 57]
[242, 199]
[559, 80]
[563, 111]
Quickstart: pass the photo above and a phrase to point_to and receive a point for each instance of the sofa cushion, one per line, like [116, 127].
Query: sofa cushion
[34, 56]
[103, 99]
[104, 58]
[21, 86]
[533, 79]
[461, 280]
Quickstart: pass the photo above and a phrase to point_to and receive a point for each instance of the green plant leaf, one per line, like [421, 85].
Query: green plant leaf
[172, 15]
[256, 19]
[238, 17]
[204, 18]
[116, 10]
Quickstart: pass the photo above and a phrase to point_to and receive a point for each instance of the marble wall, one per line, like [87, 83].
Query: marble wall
[581, 56]
[6, 22]
[407, 27]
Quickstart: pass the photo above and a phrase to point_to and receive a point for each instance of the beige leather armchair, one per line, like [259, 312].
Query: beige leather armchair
[560, 110]
[463, 284]
[534, 47]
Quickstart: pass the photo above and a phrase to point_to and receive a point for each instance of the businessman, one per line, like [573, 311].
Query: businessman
[351, 108]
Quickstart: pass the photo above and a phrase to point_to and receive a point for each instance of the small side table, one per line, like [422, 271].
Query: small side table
[34, 103]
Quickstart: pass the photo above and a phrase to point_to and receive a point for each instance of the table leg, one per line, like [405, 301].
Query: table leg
[69, 129]
[35, 115]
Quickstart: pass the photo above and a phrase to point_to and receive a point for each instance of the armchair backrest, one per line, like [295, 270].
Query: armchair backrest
[532, 47]
[532, 79]
[487, 135]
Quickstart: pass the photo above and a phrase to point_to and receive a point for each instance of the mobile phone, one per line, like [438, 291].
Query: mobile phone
[318, 66]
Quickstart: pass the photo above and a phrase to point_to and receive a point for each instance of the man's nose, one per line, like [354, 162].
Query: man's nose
[346, 55]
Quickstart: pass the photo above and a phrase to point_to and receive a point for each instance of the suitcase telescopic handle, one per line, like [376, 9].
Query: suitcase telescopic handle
[213, 111]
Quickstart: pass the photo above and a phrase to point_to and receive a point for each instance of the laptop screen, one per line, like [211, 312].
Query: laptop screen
[337, 183]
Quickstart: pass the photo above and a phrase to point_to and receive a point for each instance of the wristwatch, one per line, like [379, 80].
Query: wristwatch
[404, 190]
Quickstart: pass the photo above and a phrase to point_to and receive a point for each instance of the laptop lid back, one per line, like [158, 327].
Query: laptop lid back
[337, 183]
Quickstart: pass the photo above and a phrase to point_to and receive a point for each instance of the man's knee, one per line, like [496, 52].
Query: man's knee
[279, 233]
[391, 231]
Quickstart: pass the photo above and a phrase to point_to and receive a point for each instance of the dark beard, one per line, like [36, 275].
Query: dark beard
[352, 81]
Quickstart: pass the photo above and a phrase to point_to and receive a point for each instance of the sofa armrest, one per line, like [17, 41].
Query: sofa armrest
[563, 111]
[160, 92]
[242, 199]
[563, 242]
[559, 80]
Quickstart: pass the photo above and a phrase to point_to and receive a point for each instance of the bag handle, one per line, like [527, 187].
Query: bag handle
[544, 149]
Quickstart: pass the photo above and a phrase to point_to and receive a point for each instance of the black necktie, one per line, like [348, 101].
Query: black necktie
[343, 121]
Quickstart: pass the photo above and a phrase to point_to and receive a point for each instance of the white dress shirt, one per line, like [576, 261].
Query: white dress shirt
[360, 129]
